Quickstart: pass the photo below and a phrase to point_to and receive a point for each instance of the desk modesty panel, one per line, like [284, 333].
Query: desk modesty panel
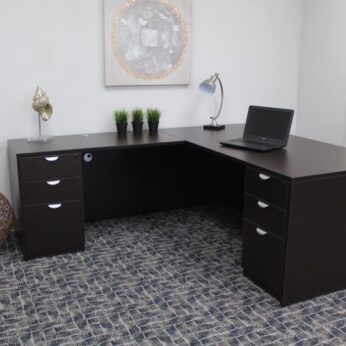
[292, 200]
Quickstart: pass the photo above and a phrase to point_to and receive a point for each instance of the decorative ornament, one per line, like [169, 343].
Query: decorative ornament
[6, 218]
[40, 103]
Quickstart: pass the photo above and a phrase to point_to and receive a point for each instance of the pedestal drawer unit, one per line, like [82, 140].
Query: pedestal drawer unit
[52, 204]
[264, 229]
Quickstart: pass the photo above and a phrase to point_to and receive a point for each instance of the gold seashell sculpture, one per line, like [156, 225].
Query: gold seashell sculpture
[40, 103]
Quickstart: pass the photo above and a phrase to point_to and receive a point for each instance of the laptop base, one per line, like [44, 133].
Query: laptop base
[249, 145]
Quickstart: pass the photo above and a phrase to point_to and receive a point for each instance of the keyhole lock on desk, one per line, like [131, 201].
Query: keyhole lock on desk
[88, 157]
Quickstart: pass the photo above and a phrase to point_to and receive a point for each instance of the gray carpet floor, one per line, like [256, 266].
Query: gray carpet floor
[171, 278]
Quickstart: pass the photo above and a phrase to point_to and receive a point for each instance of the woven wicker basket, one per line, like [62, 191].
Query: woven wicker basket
[6, 218]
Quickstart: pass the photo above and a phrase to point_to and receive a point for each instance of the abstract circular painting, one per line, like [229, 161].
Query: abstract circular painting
[147, 42]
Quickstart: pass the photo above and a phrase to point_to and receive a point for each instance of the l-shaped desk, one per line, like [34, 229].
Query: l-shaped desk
[293, 200]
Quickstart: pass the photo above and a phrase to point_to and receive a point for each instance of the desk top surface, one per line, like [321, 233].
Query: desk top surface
[82, 142]
[301, 158]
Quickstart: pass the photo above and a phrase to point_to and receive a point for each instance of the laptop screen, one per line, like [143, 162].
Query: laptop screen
[270, 125]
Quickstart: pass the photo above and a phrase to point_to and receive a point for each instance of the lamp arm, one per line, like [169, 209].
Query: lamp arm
[221, 104]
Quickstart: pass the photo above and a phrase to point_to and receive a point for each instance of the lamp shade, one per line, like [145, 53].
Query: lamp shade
[209, 85]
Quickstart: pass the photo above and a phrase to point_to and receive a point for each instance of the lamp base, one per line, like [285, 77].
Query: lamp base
[214, 127]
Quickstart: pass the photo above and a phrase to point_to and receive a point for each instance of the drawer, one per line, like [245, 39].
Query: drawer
[54, 229]
[49, 191]
[265, 216]
[269, 189]
[51, 167]
[263, 259]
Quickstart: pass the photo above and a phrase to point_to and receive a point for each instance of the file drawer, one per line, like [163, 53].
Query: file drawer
[51, 167]
[265, 215]
[49, 191]
[263, 258]
[53, 228]
[266, 187]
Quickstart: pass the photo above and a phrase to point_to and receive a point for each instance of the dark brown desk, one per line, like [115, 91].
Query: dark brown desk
[292, 200]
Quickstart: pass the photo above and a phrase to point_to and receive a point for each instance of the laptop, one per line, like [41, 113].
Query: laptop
[265, 129]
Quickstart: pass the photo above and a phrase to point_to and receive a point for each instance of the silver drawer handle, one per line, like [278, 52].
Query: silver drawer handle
[53, 182]
[261, 232]
[52, 158]
[264, 177]
[54, 206]
[262, 205]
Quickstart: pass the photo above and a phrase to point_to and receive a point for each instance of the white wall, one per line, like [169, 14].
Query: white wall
[58, 44]
[322, 82]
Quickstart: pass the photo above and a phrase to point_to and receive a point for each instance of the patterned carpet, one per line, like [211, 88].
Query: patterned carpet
[171, 278]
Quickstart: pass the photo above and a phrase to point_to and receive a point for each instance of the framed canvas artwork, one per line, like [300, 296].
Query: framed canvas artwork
[147, 42]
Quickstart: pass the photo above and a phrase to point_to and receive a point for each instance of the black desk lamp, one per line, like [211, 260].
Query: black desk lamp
[209, 86]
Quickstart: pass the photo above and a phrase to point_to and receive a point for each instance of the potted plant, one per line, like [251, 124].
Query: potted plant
[120, 117]
[153, 117]
[137, 121]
